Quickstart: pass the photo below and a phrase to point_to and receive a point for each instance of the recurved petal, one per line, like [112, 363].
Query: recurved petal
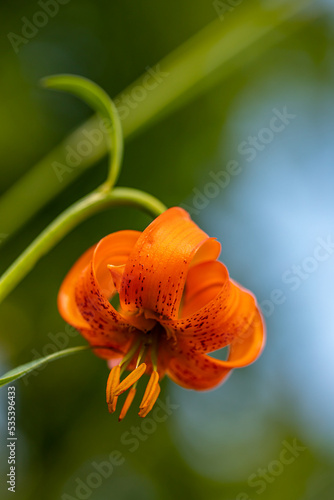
[83, 296]
[109, 261]
[95, 286]
[193, 370]
[71, 314]
[216, 310]
[67, 305]
[155, 273]
[116, 274]
[114, 251]
[204, 282]
[247, 347]
[111, 347]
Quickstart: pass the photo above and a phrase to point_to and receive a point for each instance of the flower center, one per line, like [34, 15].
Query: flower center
[143, 348]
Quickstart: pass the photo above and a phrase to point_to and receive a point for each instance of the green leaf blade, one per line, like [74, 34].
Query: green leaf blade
[23, 370]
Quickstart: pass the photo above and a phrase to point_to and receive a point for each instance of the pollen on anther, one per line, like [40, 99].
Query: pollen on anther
[151, 386]
[130, 379]
[148, 407]
[127, 403]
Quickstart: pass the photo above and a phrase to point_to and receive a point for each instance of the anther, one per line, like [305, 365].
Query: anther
[127, 403]
[130, 380]
[144, 411]
[112, 383]
[151, 386]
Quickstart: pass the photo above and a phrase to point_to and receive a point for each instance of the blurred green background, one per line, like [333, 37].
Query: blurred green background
[227, 444]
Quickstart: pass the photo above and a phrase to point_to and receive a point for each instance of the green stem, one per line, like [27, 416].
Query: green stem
[99, 100]
[70, 218]
[117, 150]
[207, 58]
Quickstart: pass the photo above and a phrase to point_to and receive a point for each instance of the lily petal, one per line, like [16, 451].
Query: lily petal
[113, 250]
[204, 282]
[83, 297]
[66, 297]
[223, 309]
[156, 271]
[247, 347]
[197, 371]
[116, 274]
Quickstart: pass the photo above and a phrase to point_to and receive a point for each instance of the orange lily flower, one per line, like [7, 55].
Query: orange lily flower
[176, 305]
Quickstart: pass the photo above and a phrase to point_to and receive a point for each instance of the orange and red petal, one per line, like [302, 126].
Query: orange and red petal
[156, 271]
[196, 371]
[246, 348]
[217, 310]
[113, 250]
[204, 282]
[193, 370]
[83, 297]
[67, 305]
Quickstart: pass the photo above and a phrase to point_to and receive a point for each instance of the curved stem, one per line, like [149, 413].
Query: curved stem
[99, 100]
[70, 218]
[117, 149]
[207, 58]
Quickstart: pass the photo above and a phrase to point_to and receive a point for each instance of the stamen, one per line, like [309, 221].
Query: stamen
[142, 354]
[151, 386]
[130, 379]
[127, 403]
[112, 405]
[112, 383]
[144, 411]
[128, 357]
